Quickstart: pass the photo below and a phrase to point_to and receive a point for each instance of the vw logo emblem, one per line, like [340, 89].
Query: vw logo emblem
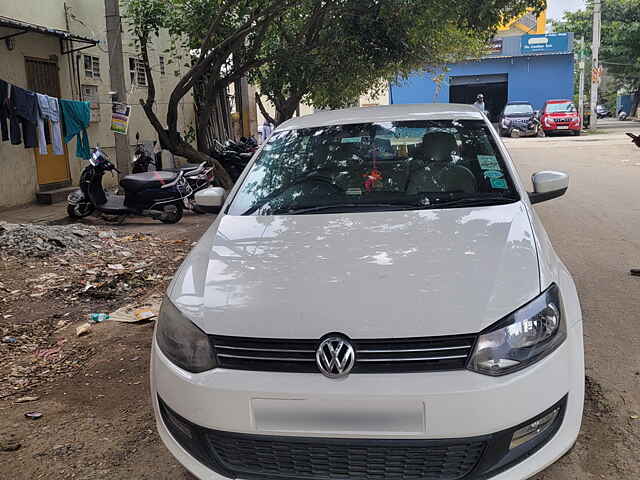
[335, 357]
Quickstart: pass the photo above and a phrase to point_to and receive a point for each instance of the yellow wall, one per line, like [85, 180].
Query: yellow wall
[18, 183]
[515, 27]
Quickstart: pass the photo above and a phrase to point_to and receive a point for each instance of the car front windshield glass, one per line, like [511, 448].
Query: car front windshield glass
[566, 107]
[406, 165]
[518, 110]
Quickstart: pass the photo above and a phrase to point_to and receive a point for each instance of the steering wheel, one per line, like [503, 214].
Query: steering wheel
[313, 176]
[316, 177]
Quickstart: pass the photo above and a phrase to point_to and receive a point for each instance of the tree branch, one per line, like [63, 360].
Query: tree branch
[263, 110]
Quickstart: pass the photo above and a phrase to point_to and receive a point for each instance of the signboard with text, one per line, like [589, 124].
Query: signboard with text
[545, 43]
[120, 115]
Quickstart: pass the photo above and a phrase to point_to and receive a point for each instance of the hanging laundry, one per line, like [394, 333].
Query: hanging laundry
[49, 110]
[76, 117]
[5, 111]
[24, 113]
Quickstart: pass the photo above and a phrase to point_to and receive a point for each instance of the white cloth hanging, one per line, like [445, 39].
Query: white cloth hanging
[49, 110]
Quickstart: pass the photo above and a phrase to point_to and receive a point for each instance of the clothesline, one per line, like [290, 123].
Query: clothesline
[27, 114]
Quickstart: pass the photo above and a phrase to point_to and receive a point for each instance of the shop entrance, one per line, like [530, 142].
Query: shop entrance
[495, 88]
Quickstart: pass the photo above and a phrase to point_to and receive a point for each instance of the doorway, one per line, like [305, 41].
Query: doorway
[52, 170]
[495, 88]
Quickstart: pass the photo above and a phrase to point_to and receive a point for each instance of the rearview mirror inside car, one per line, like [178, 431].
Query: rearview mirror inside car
[548, 185]
[211, 199]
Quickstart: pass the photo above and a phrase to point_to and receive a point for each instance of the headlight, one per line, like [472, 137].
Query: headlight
[505, 123]
[182, 341]
[522, 338]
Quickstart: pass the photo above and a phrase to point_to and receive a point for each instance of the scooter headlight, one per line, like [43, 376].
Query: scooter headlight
[522, 338]
[182, 341]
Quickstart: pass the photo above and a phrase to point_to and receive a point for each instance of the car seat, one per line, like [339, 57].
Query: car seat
[433, 169]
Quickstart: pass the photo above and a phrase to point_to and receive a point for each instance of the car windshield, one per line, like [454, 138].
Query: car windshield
[405, 165]
[565, 107]
[520, 109]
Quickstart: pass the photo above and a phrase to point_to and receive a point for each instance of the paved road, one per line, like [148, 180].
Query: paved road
[595, 229]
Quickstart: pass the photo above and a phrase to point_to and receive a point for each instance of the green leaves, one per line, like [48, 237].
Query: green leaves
[356, 47]
[620, 49]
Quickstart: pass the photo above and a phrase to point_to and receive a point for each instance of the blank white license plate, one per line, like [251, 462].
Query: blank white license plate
[563, 127]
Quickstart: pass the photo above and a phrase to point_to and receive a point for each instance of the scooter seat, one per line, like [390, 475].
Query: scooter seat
[141, 181]
[187, 167]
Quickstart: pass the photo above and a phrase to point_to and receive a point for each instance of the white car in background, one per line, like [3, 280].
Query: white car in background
[377, 300]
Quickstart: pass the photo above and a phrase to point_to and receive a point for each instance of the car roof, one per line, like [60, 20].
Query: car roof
[387, 113]
[518, 103]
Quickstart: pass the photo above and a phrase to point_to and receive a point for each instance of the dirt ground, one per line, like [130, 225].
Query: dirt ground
[94, 390]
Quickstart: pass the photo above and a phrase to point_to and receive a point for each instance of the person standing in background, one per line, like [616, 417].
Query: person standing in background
[480, 103]
[266, 131]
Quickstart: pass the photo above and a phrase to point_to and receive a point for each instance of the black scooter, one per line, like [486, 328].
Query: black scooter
[159, 195]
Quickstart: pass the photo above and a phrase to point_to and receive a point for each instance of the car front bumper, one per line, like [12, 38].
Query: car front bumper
[557, 128]
[459, 407]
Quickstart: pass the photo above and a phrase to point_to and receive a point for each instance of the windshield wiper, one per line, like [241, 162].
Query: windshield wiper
[363, 206]
[479, 200]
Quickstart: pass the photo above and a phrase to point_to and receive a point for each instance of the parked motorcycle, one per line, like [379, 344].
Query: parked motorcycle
[532, 128]
[159, 195]
[142, 160]
[234, 157]
[199, 176]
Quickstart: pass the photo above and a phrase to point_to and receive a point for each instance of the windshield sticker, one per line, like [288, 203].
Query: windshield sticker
[354, 191]
[488, 162]
[493, 174]
[499, 183]
[351, 140]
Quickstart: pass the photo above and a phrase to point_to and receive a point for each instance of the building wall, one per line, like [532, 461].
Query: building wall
[18, 181]
[46, 13]
[367, 100]
[532, 78]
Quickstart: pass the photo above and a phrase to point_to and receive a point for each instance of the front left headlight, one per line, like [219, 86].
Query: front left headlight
[522, 338]
[182, 341]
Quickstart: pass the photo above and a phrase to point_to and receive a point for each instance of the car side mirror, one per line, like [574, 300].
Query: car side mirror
[210, 199]
[548, 185]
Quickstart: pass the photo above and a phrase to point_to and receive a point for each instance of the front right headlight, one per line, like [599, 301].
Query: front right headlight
[182, 341]
[522, 338]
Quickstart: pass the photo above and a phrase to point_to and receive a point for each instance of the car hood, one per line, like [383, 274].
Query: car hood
[519, 116]
[366, 275]
[561, 114]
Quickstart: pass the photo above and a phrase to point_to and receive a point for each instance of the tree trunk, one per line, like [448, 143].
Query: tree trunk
[285, 110]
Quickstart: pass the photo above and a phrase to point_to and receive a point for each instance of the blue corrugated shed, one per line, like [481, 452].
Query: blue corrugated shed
[533, 77]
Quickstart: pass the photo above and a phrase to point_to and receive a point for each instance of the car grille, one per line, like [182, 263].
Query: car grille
[372, 356]
[255, 456]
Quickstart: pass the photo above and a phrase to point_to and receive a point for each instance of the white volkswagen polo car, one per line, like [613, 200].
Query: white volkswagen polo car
[377, 300]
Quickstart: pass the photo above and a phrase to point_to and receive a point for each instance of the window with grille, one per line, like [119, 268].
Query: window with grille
[162, 69]
[91, 66]
[137, 72]
[90, 94]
